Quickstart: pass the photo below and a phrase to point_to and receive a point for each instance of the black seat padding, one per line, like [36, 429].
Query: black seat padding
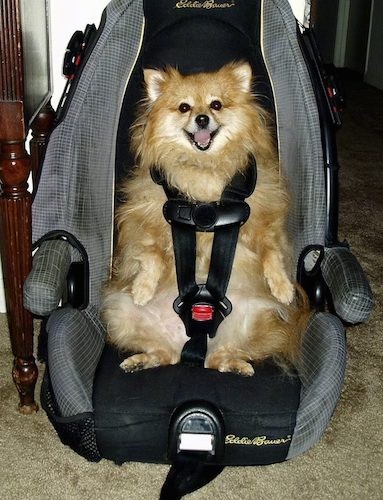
[133, 413]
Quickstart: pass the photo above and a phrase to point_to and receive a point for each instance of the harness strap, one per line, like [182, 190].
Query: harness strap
[203, 307]
[221, 263]
[184, 246]
[225, 238]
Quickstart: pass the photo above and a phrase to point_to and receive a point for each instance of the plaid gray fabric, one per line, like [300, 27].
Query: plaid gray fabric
[298, 125]
[347, 282]
[76, 188]
[76, 341]
[43, 289]
[321, 370]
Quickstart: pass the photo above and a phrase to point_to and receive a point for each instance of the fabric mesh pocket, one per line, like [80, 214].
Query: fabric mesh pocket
[77, 431]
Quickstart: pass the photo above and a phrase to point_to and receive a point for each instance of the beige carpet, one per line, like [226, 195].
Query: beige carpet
[346, 464]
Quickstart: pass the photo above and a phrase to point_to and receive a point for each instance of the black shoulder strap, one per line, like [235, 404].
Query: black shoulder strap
[225, 238]
[224, 218]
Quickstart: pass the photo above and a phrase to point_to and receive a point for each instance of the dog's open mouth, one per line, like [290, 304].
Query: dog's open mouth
[202, 139]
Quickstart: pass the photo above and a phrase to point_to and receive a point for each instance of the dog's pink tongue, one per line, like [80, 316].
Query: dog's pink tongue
[202, 137]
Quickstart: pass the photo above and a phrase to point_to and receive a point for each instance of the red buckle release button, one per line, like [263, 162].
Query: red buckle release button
[202, 312]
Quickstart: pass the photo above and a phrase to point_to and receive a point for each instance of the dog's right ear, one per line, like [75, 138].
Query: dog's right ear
[154, 79]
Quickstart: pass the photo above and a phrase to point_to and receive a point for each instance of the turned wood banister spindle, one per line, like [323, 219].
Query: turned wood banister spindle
[15, 199]
[15, 220]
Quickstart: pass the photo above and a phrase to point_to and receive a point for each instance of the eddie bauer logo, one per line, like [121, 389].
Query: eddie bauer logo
[257, 441]
[207, 4]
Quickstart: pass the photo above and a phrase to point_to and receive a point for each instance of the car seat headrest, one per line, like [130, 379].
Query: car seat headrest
[199, 36]
[197, 45]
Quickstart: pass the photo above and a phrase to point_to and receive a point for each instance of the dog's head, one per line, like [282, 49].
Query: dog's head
[200, 112]
[200, 123]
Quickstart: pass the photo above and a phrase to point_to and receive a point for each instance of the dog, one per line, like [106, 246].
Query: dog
[200, 130]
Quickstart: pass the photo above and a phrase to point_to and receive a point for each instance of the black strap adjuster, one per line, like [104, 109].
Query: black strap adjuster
[206, 216]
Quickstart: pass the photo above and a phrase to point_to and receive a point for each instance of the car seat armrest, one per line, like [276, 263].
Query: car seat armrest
[348, 285]
[46, 283]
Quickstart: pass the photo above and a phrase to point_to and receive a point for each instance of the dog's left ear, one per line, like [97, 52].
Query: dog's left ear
[154, 79]
[243, 73]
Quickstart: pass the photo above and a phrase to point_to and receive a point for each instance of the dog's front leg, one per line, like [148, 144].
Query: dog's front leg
[276, 275]
[145, 283]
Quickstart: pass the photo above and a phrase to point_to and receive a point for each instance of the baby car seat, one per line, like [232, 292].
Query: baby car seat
[182, 414]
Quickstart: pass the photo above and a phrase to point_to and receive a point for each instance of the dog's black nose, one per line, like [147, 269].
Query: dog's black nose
[202, 121]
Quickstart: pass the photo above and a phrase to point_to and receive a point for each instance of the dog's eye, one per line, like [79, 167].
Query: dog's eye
[184, 107]
[216, 105]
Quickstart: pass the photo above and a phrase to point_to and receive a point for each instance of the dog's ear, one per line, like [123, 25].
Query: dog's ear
[154, 79]
[243, 74]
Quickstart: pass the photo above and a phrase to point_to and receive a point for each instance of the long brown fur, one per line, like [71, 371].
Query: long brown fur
[270, 313]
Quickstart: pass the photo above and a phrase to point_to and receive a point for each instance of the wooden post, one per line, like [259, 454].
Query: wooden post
[15, 201]
[16, 236]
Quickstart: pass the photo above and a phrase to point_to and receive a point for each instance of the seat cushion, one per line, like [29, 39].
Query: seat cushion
[133, 411]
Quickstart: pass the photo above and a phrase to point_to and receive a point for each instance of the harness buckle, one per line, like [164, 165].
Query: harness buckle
[202, 312]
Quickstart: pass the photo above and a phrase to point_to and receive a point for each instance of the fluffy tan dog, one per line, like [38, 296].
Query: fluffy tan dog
[200, 130]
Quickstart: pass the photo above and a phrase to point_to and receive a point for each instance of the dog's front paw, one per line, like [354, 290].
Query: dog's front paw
[140, 362]
[237, 366]
[282, 289]
[224, 361]
[144, 360]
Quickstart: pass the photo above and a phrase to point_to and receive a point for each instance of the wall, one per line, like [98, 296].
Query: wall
[67, 17]
[352, 34]
[374, 67]
[357, 35]
[325, 26]
[298, 7]
[2, 298]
